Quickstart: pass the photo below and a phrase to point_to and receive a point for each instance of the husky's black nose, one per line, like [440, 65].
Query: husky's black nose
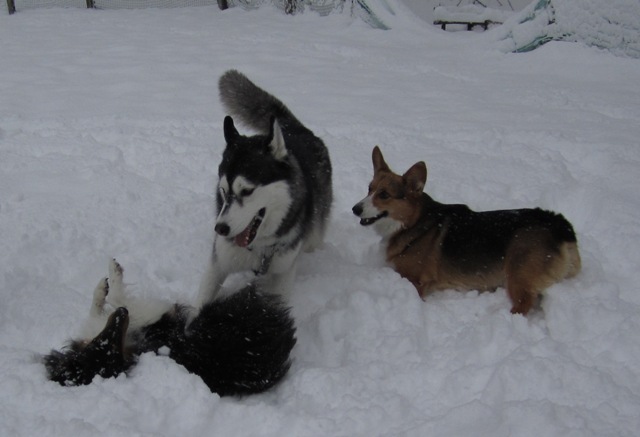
[222, 229]
[357, 209]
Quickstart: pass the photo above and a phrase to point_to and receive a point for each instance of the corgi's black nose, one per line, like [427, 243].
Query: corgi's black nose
[222, 229]
[357, 209]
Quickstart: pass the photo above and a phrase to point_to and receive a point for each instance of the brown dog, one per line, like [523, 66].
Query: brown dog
[438, 246]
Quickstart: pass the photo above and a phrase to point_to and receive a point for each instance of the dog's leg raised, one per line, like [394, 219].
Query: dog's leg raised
[141, 311]
[116, 284]
[99, 298]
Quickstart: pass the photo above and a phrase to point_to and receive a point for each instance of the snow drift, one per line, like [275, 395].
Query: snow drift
[613, 25]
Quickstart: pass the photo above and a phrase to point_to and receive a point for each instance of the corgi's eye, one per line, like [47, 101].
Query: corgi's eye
[383, 195]
[246, 192]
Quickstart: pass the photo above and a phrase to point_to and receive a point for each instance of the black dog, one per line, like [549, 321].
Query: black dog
[238, 345]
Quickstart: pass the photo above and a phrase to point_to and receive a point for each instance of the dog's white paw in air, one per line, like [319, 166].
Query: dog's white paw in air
[99, 298]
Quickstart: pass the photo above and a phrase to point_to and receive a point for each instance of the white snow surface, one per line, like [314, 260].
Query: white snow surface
[110, 137]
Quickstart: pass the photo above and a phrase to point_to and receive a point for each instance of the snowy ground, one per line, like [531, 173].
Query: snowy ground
[110, 136]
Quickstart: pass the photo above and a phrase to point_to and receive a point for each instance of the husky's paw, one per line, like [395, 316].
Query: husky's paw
[99, 298]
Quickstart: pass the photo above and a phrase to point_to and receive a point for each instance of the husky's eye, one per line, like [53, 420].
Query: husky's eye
[246, 192]
[383, 195]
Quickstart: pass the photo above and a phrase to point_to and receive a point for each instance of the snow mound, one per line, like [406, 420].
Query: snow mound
[612, 24]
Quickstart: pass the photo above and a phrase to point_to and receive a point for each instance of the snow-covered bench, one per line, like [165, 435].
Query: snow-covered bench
[469, 15]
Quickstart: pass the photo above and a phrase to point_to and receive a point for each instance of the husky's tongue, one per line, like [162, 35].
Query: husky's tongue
[244, 238]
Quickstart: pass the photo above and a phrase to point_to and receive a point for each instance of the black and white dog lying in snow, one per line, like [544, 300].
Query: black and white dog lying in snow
[238, 345]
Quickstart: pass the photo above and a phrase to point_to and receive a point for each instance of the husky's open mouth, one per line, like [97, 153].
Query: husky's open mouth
[244, 238]
[372, 220]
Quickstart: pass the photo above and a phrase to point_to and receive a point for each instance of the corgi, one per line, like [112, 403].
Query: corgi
[440, 246]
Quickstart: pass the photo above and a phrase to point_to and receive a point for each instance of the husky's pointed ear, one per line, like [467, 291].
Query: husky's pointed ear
[230, 131]
[276, 143]
[416, 177]
[378, 161]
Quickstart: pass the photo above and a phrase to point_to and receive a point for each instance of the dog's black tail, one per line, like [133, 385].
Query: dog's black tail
[252, 105]
[239, 345]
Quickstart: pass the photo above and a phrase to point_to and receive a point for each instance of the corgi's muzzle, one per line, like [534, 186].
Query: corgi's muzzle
[358, 209]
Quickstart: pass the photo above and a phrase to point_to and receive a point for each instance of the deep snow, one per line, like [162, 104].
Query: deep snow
[110, 136]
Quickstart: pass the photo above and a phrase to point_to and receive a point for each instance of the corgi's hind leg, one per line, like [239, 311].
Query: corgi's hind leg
[532, 263]
[522, 296]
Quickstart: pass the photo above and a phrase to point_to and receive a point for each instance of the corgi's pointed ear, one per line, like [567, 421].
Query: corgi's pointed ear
[276, 143]
[378, 160]
[230, 131]
[416, 177]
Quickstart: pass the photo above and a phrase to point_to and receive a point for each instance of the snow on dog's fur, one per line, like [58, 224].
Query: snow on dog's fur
[274, 191]
[438, 246]
[237, 345]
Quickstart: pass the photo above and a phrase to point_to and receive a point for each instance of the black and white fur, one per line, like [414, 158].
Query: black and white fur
[274, 191]
[238, 345]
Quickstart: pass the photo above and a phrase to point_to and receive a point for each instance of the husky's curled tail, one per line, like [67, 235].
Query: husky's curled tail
[274, 191]
[252, 105]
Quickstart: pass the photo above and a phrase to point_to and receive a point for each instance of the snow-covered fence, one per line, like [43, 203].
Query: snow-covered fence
[17, 5]
[364, 9]
[289, 6]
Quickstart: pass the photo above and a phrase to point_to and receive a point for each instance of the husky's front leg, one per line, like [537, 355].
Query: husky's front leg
[226, 258]
[211, 283]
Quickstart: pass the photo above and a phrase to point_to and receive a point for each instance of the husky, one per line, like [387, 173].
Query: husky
[440, 246]
[238, 345]
[274, 191]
